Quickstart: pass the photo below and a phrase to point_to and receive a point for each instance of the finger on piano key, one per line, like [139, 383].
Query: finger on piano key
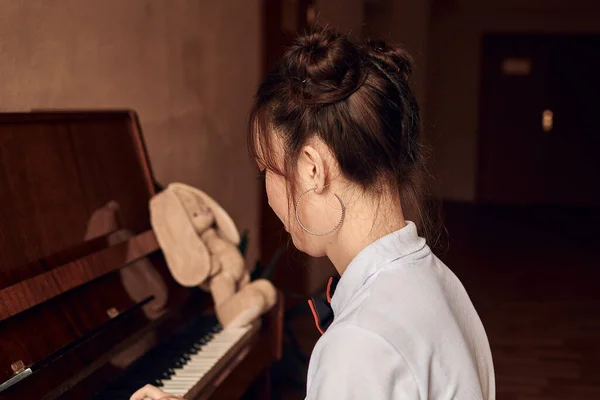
[149, 392]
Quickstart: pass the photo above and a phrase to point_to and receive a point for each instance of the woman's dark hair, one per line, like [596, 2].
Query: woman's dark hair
[356, 98]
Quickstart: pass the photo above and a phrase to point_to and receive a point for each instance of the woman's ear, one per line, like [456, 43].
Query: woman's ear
[312, 168]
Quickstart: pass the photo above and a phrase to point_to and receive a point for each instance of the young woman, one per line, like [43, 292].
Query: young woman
[335, 131]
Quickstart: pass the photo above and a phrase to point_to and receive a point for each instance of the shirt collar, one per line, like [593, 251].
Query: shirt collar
[389, 248]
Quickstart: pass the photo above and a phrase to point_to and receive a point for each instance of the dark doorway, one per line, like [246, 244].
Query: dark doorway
[539, 138]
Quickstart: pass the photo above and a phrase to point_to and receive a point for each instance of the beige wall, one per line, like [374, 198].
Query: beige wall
[188, 67]
[454, 72]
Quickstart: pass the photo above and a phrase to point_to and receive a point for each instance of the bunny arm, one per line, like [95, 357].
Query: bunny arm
[225, 256]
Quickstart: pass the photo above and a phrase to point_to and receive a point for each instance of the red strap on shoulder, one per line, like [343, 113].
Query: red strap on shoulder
[329, 289]
[315, 316]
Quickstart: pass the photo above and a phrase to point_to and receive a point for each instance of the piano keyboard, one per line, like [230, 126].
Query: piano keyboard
[201, 362]
[179, 365]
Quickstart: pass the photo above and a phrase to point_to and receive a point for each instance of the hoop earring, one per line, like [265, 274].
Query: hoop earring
[315, 233]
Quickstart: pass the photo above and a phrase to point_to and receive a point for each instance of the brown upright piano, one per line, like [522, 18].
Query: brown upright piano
[88, 308]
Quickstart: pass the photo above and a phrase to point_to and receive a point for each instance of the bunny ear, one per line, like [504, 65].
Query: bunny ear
[186, 254]
[225, 225]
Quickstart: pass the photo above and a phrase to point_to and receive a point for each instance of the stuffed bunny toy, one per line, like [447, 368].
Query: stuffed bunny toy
[200, 244]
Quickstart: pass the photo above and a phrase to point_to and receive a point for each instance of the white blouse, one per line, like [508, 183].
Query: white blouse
[404, 328]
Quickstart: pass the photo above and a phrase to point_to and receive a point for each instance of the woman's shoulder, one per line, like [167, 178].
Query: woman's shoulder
[411, 303]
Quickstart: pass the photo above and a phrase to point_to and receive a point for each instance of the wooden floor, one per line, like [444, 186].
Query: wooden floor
[534, 277]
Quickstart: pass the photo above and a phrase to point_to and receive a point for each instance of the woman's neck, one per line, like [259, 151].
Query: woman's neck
[368, 218]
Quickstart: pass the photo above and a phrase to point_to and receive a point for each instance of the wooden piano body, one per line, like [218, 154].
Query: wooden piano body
[78, 311]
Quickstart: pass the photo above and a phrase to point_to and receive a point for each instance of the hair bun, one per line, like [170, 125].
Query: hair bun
[323, 67]
[394, 58]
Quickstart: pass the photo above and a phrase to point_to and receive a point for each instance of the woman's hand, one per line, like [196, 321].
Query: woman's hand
[153, 393]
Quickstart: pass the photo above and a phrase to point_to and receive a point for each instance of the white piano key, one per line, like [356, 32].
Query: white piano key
[198, 363]
[178, 391]
[182, 378]
[192, 371]
[176, 385]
